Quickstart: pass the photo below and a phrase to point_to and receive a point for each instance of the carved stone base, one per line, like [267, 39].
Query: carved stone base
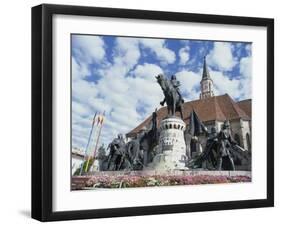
[172, 147]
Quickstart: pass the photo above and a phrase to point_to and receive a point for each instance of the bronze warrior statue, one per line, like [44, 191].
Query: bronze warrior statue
[225, 143]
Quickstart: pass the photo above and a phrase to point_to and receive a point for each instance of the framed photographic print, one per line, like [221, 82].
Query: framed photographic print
[145, 112]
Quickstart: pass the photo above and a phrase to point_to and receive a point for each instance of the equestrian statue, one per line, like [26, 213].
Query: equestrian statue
[173, 98]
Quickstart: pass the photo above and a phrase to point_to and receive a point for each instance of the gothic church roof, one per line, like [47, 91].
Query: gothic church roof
[245, 105]
[218, 108]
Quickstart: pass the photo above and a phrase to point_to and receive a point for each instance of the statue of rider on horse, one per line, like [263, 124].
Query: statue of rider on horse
[173, 97]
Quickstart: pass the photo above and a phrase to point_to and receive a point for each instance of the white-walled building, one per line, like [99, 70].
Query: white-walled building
[77, 158]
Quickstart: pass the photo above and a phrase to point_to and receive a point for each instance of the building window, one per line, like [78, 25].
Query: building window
[237, 139]
[248, 141]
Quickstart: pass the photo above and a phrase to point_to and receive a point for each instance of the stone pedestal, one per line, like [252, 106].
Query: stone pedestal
[172, 147]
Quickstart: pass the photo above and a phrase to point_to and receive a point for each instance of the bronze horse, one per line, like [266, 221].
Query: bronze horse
[172, 98]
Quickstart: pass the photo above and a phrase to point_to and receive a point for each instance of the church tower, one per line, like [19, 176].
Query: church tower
[206, 83]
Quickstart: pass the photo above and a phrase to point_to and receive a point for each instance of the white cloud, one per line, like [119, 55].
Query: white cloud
[88, 48]
[117, 69]
[125, 117]
[147, 71]
[148, 93]
[79, 141]
[223, 84]
[82, 90]
[221, 56]
[246, 77]
[82, 121]
[120, 96]
[246, 67]
[184, 55]
[79, 70]
[80, 109]
[80, 130]
[99, 104]
[157, 46]
[126, 55]
[127, 52]
[112, 84]
[238, 86]
[190, 81]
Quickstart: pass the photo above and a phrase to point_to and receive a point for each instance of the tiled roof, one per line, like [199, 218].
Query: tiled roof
[230, 108]
[218, 108]
[246, 106]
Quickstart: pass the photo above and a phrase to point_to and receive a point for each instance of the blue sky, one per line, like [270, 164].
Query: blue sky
[117, 75]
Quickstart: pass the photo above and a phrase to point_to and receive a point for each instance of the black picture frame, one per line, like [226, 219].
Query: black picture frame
[42, 108]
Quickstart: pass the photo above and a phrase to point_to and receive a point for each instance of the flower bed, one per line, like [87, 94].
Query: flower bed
[157, 180]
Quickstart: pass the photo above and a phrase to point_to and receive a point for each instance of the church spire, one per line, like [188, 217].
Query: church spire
[206, 74]
[206, 82]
